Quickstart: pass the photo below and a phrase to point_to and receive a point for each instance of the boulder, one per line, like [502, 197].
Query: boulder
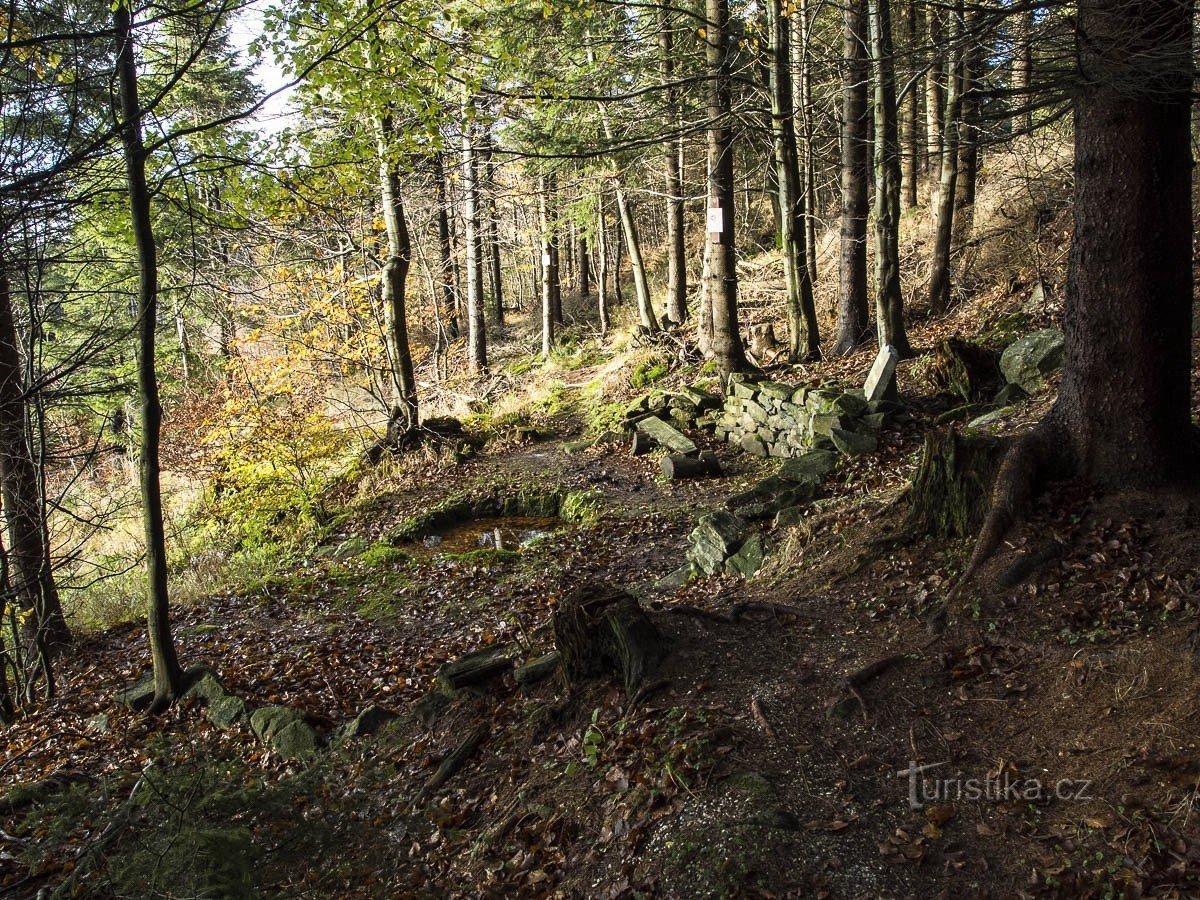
[790, 515]
[295, 741]
[748, 559]
[810, 468]
[715, 538]
[676, 579]
[751, 444]
[367, 722]
[851, 443]
[227, 711]
[1028, 361]
[267, 721]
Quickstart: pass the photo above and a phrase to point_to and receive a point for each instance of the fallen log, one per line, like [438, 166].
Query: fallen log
[454, 761]
[678, 467]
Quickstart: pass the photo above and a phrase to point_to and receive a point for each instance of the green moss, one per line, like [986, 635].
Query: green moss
[581, 506]
[381, 555]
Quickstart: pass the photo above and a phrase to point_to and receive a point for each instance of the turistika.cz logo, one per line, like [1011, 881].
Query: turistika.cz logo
[994, 787]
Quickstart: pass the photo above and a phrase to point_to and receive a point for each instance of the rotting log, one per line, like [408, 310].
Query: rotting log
[678, 467]
[600, 629]
[953, 485]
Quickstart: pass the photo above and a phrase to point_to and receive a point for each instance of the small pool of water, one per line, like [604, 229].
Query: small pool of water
[491, 533]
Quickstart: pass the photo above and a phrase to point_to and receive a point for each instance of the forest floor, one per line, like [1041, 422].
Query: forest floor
[1056, 720]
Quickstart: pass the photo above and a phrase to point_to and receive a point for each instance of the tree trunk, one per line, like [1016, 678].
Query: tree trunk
[30, 577]
[852, 291]
[939, 275]
[473, 236]
[909, 110]
[393, 282]
[601, 264]
[726, 344]
[935, 100]
[968, 129]
[803, 336]
[802, 94]
[551, 289]
[1124, 399]
[676, 303]
[641, 285]
[585, 267]
[889, 301]
[168, 677]
[495, 273]
[445, 250]
[1022, 71]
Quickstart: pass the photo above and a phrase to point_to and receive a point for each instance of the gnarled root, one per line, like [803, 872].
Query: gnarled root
[1028, 463]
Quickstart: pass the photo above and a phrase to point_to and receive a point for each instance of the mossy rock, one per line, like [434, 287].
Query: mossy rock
[267, 721]
[295, 741]
[227, 711]
[367, 722]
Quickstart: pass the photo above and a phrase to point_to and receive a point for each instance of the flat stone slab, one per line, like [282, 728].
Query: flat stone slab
[666, 437]
[881, 380]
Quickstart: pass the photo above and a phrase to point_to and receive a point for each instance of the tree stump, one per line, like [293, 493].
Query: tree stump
[967, 370]
[952, 489]
[599, 629]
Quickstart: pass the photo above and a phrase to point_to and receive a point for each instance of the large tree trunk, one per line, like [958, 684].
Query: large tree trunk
[1124, 399]
[31, 577]
[168, 677]
[935, 99]
[641, 285]
[1022, 70]
[802, 103]
[394, 281]
[473, 236]
[943, 226]
[721, 280]
[1123, 414]
[968, 129]
[803, 337]
[676, 302]
[852, 289]
[909, 109]
[889, 301]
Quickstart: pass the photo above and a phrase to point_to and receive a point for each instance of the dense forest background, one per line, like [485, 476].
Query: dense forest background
[285, 289]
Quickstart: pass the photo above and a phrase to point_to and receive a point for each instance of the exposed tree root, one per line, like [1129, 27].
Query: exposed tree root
[1031, 459]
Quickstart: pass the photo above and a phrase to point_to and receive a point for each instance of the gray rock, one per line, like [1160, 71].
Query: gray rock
[295, 741]
[990, 418]
[748, 559]
[227, 711]
[267, 721]
[138, 695]
[756, 412]
[676, 579]
[825, 423]
[207, 688]
[1028, 361]
[810, 468]
[800, 395]
[776, 390]
[851, 403]
[1010, 395]
[715, 538]
[367, 722]
[881, 380]
[851, 443]
[538, 669]
[751, 444]
[98, 724]
[666, 436]
[790, 515]
[741, 385]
